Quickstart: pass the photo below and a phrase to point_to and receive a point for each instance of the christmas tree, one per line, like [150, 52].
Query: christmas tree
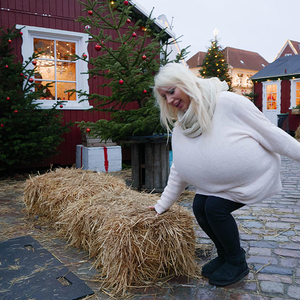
[27, 133]
[128, 57]
[214, 63]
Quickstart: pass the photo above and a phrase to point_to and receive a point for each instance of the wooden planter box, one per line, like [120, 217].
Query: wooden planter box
[150, 163]
[295, 111]
[87, 141]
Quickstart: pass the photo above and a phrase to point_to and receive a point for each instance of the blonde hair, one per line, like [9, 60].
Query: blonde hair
[203, 94]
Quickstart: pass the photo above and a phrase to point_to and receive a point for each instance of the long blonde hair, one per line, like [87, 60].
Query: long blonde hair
[203, 94]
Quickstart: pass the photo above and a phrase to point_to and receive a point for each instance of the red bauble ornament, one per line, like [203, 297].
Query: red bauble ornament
[90, 12]
[88, 130]
[25, 76]
[2, 125]
[134, 34]
[144, 91]
[21, 74]
[21, 32]
[6, 66]
[128, 21]
[61, 106]
[98, 47]
[34, 62]
[7, 98]
[84, 56]
[144, 57]
[9, 40]
[15, 111]
[126, 2]
[121, 81]
[30, 80]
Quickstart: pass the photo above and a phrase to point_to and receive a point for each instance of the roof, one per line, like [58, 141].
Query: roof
[196, 60]
[243, 59]
[295, 47]
[283, 66]
[237, 58]
[146, 13]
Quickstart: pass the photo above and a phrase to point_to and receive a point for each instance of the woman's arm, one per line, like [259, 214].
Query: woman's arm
[262, 130]
[172, 191]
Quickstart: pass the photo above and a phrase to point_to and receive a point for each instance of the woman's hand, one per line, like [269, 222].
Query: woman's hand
[153, 208]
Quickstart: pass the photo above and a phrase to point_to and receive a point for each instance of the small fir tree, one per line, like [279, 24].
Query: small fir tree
[214, 63]
[27, 133]
[128, 57]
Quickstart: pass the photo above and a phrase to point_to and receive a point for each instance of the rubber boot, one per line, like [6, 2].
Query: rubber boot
[209, 268]
[233, 270]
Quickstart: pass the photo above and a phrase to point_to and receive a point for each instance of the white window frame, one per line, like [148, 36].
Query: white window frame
[293, 92]
[278, 92]
[80, 40]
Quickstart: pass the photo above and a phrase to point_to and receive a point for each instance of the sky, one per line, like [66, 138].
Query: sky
[261, 26]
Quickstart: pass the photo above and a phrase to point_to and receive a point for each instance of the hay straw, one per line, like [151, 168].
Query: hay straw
[99, 213]
[48, 194]
[132, 246]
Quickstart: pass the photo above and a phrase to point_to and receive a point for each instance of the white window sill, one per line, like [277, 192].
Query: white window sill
[66, 105]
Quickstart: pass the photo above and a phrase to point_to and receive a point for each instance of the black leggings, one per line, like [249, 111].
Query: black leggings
[214, 217]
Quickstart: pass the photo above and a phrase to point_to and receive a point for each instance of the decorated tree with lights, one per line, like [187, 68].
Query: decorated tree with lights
[214, 63]
[128, 50]
[27, 133]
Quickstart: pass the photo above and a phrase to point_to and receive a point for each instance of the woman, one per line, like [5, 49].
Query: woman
[225, 147]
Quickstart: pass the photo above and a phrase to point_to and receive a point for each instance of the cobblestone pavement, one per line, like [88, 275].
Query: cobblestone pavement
[269, 234]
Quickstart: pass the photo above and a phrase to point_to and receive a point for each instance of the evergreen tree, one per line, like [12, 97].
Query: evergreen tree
[128, 57]
[27, 133]
[214, 63]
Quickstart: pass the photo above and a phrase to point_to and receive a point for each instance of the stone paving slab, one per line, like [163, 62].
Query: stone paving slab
[269, 234]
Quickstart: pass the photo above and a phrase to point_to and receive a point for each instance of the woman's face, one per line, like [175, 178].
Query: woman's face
[175, 97]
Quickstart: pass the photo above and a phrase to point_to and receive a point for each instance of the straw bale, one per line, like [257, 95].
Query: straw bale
[99, 213]
[132, 245]
[139, 249]
[50, 193]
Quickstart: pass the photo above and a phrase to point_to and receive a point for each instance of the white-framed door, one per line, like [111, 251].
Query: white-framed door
[272, 100]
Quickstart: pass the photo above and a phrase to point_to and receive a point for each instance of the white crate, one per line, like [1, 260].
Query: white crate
[100, 159]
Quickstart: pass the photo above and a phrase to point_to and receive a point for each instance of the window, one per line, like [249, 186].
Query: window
[239, 79]
[55, 65]
[295, 92]
[249, 82]
[271, 95]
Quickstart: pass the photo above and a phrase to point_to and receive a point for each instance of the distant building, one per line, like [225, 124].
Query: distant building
[289, 48]
[278, 90]
[195, 62]
[242, 65]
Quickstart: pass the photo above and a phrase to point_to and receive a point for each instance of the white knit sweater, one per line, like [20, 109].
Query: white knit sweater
[237, 160]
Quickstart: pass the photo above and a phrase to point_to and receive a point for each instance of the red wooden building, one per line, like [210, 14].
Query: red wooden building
[278, 89]
[50, 26]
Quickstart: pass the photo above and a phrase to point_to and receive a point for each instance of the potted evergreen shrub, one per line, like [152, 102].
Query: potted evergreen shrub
[127, 60]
